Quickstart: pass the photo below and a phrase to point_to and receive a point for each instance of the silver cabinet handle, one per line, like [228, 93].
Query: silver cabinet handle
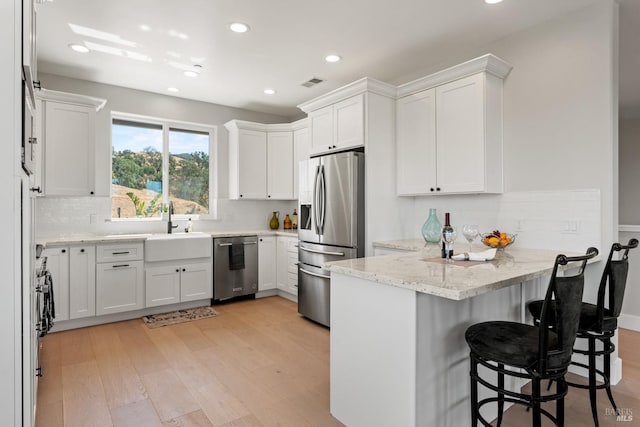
[322, 276]
[120, 265]
[120, 253]
[224, 244]
[313, 251]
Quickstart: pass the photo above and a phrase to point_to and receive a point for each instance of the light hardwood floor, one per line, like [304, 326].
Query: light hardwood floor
[257, 364]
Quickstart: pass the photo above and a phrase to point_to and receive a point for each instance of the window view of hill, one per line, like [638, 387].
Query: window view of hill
[137, 183]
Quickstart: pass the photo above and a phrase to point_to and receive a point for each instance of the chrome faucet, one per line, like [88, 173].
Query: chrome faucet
[170, 226]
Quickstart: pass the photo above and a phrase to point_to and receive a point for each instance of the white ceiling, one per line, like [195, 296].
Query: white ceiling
[287, 43]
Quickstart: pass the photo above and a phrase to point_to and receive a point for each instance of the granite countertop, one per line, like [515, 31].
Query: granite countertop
[111, 238]
[424, 272]
[404, 245]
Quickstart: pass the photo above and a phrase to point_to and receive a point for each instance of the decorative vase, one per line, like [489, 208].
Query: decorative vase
[274, 223]
[432, 229]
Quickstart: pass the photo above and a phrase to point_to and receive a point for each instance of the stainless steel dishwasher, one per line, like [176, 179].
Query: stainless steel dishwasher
[235, 266]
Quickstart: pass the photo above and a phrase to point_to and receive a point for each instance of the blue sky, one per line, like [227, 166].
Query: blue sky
[137, 139]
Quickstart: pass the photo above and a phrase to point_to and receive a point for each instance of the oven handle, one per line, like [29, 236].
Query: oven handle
[314, 251]
[322, 276]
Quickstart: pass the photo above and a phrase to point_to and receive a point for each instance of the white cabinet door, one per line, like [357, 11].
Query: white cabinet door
[196, 282]
[162, 285]
[460, 135]
[348, 123]
[119, 287]
[282, 266]
[280, 165]
[252, 164]
[266, 263]
[58, 266]
[321, 130]
[69, 138]
[82, 281]
[300, 153]
[416, 143]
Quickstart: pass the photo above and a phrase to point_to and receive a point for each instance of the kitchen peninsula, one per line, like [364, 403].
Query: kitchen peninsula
[398, 354]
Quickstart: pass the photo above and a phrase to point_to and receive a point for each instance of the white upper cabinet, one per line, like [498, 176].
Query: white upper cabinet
[280, 166]
[344, 118]
[300, 152]
[337, 127]
[263, 159]
[321, 130]
[248, 165]
[67, 123]
[449, 135]
[348, 123]
[416, 142]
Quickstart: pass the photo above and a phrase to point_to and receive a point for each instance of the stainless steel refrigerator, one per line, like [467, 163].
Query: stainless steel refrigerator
[331, 225]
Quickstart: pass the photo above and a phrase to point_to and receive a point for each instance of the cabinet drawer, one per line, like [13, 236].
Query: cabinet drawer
[292, 246]
[292, 263]
[115, 252]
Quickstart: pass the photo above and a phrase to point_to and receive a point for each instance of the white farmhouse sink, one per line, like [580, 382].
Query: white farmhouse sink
[177, 246]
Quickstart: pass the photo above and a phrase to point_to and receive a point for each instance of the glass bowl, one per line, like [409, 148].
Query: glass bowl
[493, 241]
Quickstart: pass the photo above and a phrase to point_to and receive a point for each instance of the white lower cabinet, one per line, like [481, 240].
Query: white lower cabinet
[173, 283]
[162, 285]
[287, 264]
[58, 266]
[82, 281]
[119, 287]
[266, 263]
[196, 281]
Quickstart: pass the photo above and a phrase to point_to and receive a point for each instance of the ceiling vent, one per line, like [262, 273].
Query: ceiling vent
[312, 82]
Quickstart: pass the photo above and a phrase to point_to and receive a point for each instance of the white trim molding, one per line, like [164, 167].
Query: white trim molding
[629, 228]
[70, 98]
[363, 85]
[488, 63]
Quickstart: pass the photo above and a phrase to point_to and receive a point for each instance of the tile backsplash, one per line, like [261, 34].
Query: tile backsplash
[69, 216]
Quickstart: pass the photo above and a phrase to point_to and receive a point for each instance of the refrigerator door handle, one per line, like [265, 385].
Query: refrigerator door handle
[314, 251]
[323, 197]
[316, 200]
[322, 276]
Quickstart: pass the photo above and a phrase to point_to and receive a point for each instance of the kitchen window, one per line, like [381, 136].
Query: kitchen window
[155, 161]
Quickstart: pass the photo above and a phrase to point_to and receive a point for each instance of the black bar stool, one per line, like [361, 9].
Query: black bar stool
[535, 353]
[599, 322]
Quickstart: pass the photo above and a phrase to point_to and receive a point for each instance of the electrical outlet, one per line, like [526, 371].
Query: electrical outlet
[93, 218]
[571, 226]
[519, 225]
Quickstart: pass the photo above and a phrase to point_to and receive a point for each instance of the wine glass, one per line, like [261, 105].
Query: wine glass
[470, 232]
[449, 236]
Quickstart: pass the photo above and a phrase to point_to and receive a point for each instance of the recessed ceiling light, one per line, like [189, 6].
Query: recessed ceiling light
[239, 27]
[193, 71]
[269, 91]
[332, 58]
[144, 27]
[79, 48]
[173, 89]
[492, 1]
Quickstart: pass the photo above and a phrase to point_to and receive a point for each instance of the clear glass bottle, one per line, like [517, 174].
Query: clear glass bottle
[432, 229]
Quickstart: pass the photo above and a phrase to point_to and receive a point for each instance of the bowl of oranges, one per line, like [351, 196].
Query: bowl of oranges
[497, 239]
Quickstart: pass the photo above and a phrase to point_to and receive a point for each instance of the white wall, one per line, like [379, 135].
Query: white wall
[10, 261]
[560, 135]
[69, 216]
[629, 171]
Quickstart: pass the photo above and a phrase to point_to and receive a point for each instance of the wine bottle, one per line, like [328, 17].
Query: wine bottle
[446, 228]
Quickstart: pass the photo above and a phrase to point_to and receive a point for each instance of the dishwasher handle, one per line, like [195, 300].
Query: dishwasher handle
[314, 251]
[244, 243]
[310, 273]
